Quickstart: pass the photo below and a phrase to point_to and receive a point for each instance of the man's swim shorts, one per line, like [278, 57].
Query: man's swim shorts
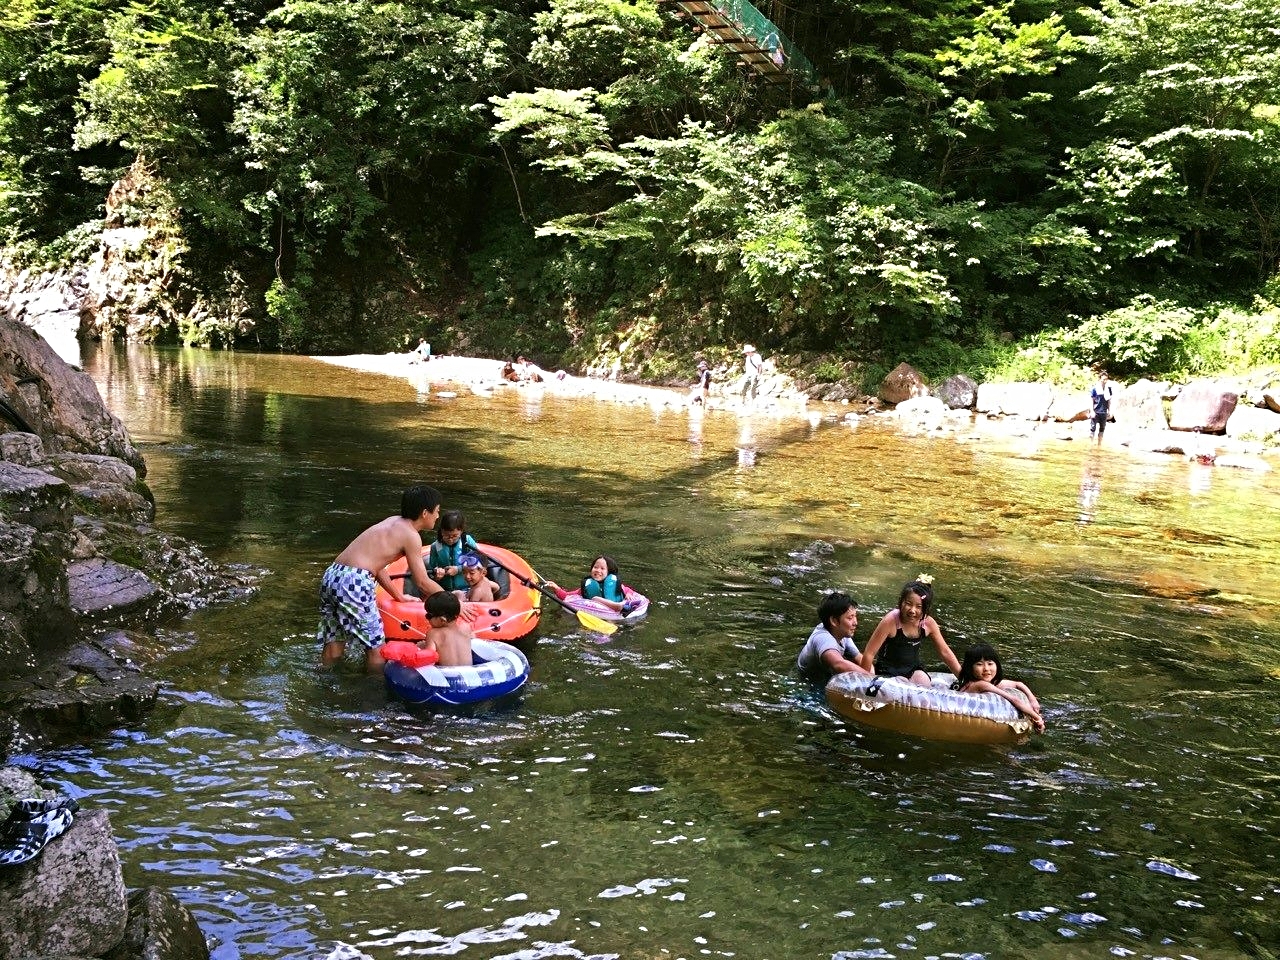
[348, 608]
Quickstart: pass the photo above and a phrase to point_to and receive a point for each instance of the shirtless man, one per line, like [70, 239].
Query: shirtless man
[450, 639]
[347, 605]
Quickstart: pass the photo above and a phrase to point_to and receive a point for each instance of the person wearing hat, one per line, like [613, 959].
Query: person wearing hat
[752, 366]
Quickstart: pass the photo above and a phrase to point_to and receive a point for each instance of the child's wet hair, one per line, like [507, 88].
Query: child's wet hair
[452, 520]
[443, 604]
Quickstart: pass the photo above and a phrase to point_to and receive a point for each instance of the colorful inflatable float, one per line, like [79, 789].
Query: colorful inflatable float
[935, 712]
[513, 615]
[573, 599]
[496, 670]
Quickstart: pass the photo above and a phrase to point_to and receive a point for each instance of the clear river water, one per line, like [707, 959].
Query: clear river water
[679, 790]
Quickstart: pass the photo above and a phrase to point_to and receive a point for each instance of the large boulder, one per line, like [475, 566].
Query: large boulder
[1068, 406]
[925, 413]
[58, 402]
[35, 540]
[1031, 401]
[1271, 398]
[1203, 406]
[1140, 406]
[958, 392]
[902, 383]
[70, 900]
[1253, 423]
[160, 928]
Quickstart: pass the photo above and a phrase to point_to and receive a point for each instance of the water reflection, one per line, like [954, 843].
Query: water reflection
[1090, 490]
[1199, 478]
[746, 444]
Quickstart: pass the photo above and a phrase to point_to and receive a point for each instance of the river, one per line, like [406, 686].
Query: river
[679, 791]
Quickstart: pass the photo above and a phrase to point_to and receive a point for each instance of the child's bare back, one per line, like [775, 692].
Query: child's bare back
[450, 637]
[452, 643]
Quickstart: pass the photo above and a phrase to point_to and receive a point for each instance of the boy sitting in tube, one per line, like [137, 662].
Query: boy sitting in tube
[450, 639]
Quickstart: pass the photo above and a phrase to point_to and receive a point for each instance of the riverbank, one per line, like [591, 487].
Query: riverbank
[482, 376]
[1223, 428]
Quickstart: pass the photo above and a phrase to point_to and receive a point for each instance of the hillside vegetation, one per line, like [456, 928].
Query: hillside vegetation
[1014, 188]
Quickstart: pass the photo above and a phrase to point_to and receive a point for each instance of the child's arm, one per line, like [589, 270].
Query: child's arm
[1023, 706]
[931, 627]
[1023, 689]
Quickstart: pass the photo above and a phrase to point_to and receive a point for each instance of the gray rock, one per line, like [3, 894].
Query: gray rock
[925, 413]
[1030, 401]
[958, 392]
[70, 900]
[1068, 406]
[1203, 406]
[99, 585]
[107, 499]
[93, 468]
[60, 403]
[18, 783]
[902, 383]
[22, 448]
[67, 706]
[160, 928]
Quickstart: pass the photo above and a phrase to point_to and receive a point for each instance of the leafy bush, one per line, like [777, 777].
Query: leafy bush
[1146, 336]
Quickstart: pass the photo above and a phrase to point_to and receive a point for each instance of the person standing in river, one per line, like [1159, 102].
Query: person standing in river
[348, 607]
[1100, 396]
[752, 368]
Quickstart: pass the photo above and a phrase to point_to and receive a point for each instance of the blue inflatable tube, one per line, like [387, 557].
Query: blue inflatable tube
[496, 669]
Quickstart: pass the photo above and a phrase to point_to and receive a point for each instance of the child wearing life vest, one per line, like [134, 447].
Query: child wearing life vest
[602, 585]
[445, 556]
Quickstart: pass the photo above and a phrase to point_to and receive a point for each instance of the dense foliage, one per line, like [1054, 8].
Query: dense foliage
[594, 178]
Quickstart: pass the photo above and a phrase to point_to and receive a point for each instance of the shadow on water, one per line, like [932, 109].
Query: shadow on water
[679, 790]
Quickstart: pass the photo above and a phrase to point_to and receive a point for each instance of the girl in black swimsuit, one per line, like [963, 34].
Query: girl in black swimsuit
[895, 643]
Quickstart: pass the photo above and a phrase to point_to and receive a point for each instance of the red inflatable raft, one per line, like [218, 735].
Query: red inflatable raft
[510, 617]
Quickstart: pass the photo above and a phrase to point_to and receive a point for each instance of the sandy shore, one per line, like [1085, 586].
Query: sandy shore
[483, 377]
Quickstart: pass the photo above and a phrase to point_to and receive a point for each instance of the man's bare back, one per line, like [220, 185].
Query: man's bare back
[389, 540]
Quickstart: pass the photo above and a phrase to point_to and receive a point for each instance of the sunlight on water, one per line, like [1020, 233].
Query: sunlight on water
[678, 791]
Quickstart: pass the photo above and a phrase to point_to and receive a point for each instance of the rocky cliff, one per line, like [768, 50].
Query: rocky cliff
[80, 561]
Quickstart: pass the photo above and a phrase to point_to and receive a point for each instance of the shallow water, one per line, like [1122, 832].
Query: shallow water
[679, 791]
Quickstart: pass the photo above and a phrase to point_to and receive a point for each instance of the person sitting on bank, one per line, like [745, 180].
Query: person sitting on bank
[421, 353]
[830, 648]
[526, 371]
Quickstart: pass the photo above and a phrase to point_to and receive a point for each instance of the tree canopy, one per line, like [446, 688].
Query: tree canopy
[573, 174]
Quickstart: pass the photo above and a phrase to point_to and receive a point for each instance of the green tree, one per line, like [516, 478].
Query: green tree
[48, 48]
[1186, 170]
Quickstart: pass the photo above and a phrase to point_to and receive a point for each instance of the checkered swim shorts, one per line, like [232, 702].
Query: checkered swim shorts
[348, 608]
